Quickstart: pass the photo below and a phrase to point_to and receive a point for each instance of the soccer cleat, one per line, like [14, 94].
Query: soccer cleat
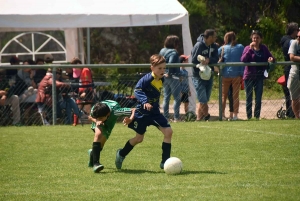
[119, 160]
[90, 163]
[97, 168]
[161, 165]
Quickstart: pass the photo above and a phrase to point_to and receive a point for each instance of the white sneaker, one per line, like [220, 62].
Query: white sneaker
[46, 123]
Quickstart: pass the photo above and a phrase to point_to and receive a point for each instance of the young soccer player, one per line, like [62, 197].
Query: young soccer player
[147, 112]
[104, 115]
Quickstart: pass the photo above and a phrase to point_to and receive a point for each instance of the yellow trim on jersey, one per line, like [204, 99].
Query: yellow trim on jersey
[157, 84]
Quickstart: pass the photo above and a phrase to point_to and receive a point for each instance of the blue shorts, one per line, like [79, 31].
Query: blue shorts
[139, 125]
[203, 89]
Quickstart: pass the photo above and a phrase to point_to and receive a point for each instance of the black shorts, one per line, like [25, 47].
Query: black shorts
[139, 125]
[185, 98]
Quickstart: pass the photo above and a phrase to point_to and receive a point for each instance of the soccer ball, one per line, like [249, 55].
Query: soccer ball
[190, 116]
[173, 166]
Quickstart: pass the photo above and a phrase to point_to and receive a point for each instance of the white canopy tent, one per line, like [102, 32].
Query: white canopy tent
[69, 15]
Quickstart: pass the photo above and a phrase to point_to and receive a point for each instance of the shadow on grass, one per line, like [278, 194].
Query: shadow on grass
[184, 172]
[201, 172]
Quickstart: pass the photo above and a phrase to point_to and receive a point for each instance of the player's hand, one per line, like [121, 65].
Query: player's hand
[270, 59]
[148, 106]
[126, 121]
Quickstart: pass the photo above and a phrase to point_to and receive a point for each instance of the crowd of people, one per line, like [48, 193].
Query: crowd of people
[251, 78]
[18, 85]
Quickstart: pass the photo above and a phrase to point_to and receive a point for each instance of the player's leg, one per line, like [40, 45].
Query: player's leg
[162, 124]
[98, 144]
[139, 126]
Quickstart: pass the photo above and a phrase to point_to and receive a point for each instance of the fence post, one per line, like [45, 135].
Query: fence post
[54, 104]
[220, 93]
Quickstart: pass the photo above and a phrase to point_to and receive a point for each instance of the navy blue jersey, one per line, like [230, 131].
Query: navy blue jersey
[147, 90]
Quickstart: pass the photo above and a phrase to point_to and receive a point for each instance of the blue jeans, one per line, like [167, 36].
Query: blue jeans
[258, 86]
[203, 89]
[69, 104]
[171, 86]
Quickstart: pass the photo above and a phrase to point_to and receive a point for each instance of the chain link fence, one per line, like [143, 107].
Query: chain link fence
[61, 101]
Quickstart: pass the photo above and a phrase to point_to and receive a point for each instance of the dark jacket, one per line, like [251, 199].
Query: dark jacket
[200, 48]
[285, 45]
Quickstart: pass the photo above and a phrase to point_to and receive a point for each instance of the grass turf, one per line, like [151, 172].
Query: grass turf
[244, 160]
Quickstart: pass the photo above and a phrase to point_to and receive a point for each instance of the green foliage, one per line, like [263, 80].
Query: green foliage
[256, 159]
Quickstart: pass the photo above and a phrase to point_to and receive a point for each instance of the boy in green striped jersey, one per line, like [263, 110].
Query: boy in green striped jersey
[104, 115]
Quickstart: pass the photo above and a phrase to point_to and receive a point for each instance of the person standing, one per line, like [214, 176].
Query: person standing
[291, 33]
[254, 75]
[147, 112]
[171, 84]
[184, 83]
[231, 51]
[294, 76]
[206, 47]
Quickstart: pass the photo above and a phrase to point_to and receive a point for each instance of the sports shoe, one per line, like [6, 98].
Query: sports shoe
[97, 168]
[161, 165]
[119, 159]
[90, 163]
[206, 118]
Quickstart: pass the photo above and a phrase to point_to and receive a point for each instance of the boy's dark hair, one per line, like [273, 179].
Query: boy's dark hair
[208, 33]
[291, 28]
[100, 110]
[172, 42]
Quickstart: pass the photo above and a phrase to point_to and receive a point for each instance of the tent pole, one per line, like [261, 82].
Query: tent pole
[88, 45]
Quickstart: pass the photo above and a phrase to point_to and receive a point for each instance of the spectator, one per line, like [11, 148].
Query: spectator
[206, 47]
[11, 73]
[8, 98]
[184, 83]
[86, 92]
[44, 97]
[40, 72]
[27, 76]
[65, 101]
[254, 75]
[294, 76]
[48, 59]
[17, 85]
[172, 82]
[291, 33]
[231, 75]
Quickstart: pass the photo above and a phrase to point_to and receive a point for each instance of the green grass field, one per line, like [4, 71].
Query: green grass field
[244, 160]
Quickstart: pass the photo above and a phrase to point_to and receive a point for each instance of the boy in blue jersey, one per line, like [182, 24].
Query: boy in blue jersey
[104, 116]
[147, 92]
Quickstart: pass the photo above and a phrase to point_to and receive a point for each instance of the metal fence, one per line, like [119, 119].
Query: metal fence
[119, 88]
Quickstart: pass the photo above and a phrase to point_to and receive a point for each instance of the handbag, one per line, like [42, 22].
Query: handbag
[204, 70]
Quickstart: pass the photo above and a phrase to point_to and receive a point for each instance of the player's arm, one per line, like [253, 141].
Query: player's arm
[128, 120]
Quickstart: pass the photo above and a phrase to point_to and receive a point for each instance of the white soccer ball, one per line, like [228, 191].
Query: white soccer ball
[173, 166]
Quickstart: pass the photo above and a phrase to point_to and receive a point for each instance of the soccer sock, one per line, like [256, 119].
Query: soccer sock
[166, 151]
[127, 148]
[96, 152]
